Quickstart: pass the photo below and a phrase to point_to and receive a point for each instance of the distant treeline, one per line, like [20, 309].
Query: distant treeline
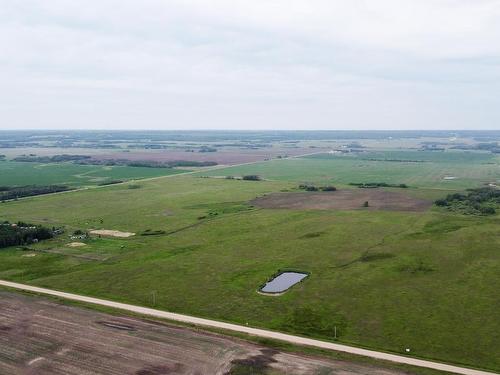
[207, 149]
[368, 185]
[87, 145]
[482, 201]
[431, 147]
[51, 159]
[100, 136]
[22, 234]
[397, 160]
[18, 144]
[246, 145]
[88, 160]
[309, 187]
[251, 177]
[14, 192]
[493, 147]
[147, 163]
[248, 177]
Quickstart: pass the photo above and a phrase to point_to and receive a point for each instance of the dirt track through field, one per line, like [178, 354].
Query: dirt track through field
[348, 199]
[39, 336]
[249, 330]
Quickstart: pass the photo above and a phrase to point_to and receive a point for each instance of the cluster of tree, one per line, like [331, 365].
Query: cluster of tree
[51, 159]
[15, 192]
[23, 234]
[147, 163]
[367, 185]
[251, 177]
[2, 157]
[309, 187]
[481, 201]
[78, 234]
[207, 149]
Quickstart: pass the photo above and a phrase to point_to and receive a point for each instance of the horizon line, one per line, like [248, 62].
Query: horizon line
[252, 130]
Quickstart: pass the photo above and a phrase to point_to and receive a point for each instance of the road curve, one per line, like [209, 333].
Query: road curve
[249, 330]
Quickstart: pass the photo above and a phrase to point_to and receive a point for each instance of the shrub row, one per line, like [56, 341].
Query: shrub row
[367, 185]
[147, 163]
[308, 187]
[7, 192]
[51, 159]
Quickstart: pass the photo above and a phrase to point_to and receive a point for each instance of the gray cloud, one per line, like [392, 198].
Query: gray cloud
[389, 64]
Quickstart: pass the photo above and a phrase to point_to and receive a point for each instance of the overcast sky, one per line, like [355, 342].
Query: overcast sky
[270, 64]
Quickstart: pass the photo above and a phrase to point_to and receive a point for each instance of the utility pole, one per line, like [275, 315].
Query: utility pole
[153, 297]
[335, 332]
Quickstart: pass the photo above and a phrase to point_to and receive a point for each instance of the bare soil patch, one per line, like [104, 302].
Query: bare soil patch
[43, 337]
[76, 244]
[349, 199]
[112, 233]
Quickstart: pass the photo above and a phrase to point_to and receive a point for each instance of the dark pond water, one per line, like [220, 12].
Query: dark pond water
[283, 282]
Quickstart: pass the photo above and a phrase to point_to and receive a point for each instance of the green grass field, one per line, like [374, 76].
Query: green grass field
[469, 169]
[18, 173]
[387, 280]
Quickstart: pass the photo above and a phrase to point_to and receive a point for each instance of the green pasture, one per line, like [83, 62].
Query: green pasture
[25, 173]
[450, 156]
[469, 169]
[387, 280]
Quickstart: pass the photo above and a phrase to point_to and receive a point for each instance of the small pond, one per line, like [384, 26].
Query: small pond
[283, 281]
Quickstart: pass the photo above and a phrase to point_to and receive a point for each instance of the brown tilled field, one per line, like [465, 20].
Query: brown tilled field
[223, 156]
[349, 199]
[41, 336]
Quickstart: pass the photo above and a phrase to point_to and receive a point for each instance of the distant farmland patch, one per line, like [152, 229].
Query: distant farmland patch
[73, 175]
[221, 156]
[470, 169]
